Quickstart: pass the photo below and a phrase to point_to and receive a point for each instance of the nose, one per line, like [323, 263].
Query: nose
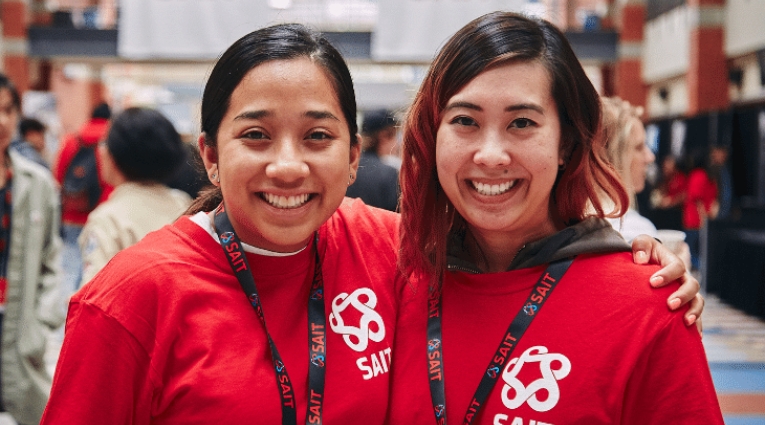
[649, 156]
[288, 165]
[491, 152]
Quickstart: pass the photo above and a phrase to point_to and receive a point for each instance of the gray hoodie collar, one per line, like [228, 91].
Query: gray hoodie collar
[593, 235]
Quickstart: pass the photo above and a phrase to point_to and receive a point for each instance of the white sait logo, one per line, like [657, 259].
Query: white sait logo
[364, 300]
[554, 367]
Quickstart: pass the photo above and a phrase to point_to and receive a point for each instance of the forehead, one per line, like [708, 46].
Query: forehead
[299, 78]
[512, 80]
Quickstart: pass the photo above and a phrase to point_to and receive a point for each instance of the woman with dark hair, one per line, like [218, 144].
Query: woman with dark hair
[504, 180]
[231, 314]
[142, 150]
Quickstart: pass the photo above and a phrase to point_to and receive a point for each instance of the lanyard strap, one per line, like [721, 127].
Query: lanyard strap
[539, 294]
[316, 324]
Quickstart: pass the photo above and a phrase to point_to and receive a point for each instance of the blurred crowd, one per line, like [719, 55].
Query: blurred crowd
[688, 191]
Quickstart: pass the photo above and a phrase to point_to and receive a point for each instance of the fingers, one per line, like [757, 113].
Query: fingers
[642, 247]
[673, 267]
[646, 249]
[693, 315]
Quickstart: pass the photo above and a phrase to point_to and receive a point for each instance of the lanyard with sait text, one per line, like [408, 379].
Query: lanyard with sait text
[316, 324]
[539, 294]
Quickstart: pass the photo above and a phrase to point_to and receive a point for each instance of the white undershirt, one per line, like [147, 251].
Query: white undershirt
[204, 221]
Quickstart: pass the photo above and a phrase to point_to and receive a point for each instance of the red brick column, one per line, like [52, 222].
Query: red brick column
[628, 79]
[15, 64]
[707, 77]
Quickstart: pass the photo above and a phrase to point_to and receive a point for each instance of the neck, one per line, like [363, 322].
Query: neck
[494, 251]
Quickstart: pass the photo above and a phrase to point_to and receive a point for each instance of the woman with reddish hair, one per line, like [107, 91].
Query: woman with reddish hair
[523, 306]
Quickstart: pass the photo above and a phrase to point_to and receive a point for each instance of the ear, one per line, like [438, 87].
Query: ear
[208, 153]
[209, 156]
[355, 155]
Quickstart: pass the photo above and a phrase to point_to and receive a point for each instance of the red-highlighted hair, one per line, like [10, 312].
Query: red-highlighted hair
[496, 39]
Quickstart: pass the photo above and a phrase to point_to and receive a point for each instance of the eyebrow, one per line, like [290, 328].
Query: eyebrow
[254, 115]
[511, 108]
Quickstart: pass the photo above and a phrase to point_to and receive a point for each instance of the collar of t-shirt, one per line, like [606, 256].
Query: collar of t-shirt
[202, 219]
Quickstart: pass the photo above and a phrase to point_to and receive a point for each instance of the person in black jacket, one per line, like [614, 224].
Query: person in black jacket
[376, 182]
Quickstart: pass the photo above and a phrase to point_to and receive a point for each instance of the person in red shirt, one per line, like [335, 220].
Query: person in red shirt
[73, 217]
[700, 202]
[275, 300]
[522, 307]
[673, 184]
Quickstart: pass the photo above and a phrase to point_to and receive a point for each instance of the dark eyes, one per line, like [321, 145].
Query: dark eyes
[314, 135]
[522, 123]
[254, 135]
[516, 123]
[318, 135]
[463, 121]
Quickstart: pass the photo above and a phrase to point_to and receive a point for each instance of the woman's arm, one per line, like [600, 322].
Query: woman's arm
[646, 249]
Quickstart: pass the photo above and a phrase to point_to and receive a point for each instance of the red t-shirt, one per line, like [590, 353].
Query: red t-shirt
[604, 349]
[165, 335]
[701, 189]
[91, 133]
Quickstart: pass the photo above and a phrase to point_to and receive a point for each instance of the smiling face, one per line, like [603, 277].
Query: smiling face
[283, 154]
[498, 152]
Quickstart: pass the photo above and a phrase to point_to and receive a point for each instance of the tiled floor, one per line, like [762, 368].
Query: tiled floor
[735, 346]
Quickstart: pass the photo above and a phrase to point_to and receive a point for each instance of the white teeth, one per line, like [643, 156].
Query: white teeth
[286, 202]
[493, 189]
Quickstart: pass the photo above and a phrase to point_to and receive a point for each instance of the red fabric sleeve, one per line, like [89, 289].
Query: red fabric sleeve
[102, 375]
[672, 392]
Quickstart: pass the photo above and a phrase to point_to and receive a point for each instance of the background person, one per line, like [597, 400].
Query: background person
[141, 152]
[498, 192]
[700, 202]
[30, 248]
[720, 174]
[75, 214]
[31, 141]
[627, 151]
[376, 182]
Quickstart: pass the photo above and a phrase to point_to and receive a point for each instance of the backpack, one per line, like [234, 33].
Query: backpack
[80, 189]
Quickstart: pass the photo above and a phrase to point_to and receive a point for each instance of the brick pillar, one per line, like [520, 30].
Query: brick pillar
[15, 21]
[628, 79]
[707, 76]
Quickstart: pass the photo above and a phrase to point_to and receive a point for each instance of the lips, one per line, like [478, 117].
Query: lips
[493, 189]
[286, 202]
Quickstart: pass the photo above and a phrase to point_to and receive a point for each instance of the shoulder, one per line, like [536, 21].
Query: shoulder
[634, 224]
[170, 254]
[179, 196]
[27, 168]
[362, 231]
[616, 277]
[354, 214]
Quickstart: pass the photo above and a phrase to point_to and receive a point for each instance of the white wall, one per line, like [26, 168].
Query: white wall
[666, 45]
[744, 27]
[676, 102]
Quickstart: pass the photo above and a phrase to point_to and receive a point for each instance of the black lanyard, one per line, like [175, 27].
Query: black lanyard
[237, 258]
[541, 291]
